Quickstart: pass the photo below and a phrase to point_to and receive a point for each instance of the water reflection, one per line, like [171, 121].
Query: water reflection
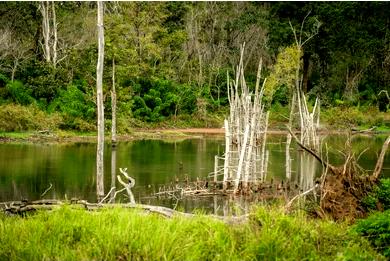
[113, 172]
[308, 167]
[26, 170]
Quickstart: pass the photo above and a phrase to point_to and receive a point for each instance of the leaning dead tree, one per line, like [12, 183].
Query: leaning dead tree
[245, 159]
[342, 188]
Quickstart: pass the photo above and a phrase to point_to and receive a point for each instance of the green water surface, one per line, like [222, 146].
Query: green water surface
[27, 170]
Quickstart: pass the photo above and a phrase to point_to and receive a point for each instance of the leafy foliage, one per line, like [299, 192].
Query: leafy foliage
[376, 228]
[22, 118]
[74, 103]
[75, 107]
[379, 196]
[189, 48]
[19, 93]
[284, 71]
[155, 100]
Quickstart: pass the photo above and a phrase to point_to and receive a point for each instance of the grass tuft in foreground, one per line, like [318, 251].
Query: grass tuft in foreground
[125, 234]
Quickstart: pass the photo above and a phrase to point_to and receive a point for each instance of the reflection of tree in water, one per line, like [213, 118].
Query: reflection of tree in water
[306, 167]
[113, 171]
[307, 170]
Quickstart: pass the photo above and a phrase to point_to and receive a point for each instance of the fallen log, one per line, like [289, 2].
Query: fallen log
[21, 208]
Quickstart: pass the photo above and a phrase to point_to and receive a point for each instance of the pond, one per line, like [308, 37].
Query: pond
[27, 170]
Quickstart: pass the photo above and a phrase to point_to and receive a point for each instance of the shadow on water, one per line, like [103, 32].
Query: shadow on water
[27, 170]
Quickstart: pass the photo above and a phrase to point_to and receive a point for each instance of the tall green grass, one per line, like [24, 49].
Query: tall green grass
[125, 234]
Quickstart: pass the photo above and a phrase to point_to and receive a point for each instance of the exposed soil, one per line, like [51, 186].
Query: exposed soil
[342, 194]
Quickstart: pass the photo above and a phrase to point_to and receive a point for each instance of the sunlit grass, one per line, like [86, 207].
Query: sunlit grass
[75, 234]
[16, 135]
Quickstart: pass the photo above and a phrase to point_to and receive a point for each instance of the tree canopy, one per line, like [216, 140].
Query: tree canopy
[172, 58]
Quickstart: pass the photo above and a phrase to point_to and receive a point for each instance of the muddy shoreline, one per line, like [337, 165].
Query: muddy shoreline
[139, 134]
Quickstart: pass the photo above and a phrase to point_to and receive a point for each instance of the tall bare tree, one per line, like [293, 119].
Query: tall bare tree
[113, 106]
[49, 31]
[44, 7]
[99, 103]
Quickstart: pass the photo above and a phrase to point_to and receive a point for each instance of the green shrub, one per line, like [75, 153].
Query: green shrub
[78, 111]
[21, 118]
[19, 93]
[154, 100]
[349, 117]
[77, 124]
[379, 196]
[376, 228]
[383, 193]
[73, 103]
[44, 80]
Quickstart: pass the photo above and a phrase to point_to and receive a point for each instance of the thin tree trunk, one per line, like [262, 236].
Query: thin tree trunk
[100, 105]
[288, 157]
[215, 168]
[16, 64]
[113, 106]
[45, 29]
[55, 35]
[264, 161]
[242, 157]
[227, 154]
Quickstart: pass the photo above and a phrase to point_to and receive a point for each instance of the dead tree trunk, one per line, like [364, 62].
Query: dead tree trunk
[55, 40]
[113, 107]
[49, 31]
[44, 7]
[100, 105]
[245, 132]
[307, 120]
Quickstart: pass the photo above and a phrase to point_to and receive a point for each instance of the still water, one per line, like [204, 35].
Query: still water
[27, 170]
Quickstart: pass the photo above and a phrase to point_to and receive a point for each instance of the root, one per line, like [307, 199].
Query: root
[344, 187]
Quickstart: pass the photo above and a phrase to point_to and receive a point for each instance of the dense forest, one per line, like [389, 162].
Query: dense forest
[171, 59]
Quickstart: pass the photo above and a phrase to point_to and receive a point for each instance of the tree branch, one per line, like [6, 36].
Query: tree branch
[379, 163]
[313, 153]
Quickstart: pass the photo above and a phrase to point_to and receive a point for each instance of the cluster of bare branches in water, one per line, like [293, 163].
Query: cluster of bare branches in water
[339, 190]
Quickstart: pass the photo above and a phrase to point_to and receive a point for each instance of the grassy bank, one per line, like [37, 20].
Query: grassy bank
[123, 234]
[17, 118]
